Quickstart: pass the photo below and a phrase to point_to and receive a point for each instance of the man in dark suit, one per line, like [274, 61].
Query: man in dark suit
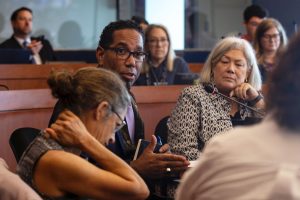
[121, 50]
[21, 21]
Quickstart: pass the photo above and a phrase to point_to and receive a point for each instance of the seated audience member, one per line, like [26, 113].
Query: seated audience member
[96, 102]
[142, 22]
[261, 161]
[21, 21]
[199, 114]
[161, 64]
[12, 187]
[270, 40]
[121, 50]
[253, 16]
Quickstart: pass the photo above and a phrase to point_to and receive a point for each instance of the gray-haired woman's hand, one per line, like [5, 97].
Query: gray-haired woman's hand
[68, 130]
[244, 91]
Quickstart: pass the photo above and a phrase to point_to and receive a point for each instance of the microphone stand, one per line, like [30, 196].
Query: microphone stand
[211, 89]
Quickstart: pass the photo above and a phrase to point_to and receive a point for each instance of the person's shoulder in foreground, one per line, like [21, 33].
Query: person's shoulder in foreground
[12, 187]
[246, 163]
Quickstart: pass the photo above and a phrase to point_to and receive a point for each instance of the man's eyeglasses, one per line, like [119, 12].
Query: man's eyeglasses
[124, 53]
[119, 125]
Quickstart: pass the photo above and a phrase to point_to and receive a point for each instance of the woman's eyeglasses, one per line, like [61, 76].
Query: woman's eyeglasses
[119, 125]
[156, 41]
[271, 36]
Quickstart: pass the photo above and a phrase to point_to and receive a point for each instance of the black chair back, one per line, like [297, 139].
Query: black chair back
[161, 129]
[20, 139]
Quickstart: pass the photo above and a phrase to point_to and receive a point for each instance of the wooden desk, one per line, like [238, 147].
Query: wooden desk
[33, 108]
[28, 76]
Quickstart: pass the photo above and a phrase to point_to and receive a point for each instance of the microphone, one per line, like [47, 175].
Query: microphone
[210, 88]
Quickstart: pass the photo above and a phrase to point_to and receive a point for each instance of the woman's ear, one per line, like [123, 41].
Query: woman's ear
[102, 110]
[100, 55]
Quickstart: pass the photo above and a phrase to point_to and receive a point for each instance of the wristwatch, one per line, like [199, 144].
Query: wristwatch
[255, 100]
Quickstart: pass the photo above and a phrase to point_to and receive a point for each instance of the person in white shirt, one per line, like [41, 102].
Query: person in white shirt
[12, 187]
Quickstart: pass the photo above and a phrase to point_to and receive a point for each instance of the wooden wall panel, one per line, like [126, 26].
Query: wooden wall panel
[33, 108]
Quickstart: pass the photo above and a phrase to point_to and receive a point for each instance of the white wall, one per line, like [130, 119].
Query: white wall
[220, 17]
[228, 16]
[169, 13]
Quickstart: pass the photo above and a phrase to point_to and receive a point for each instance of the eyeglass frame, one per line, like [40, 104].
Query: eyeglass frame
[133, 53]
[156, 41]
[269, 37]
[123, 122]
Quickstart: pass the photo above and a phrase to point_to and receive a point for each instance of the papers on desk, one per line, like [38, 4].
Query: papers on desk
[193, 163]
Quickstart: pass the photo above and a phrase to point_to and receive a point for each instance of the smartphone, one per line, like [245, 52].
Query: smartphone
[142, 144]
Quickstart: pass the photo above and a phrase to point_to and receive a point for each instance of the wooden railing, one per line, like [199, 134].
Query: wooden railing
[196, 67]
[28, 76]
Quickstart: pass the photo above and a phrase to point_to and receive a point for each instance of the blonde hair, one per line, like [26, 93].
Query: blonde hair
[225, 45]
[170, 55]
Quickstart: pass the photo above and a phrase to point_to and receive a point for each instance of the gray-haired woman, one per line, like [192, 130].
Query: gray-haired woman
[199, 114]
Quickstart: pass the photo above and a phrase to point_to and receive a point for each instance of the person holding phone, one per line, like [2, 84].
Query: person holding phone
[21, 21]
[121, 50]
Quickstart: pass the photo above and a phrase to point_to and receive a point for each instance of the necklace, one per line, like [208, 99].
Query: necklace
[158, 74]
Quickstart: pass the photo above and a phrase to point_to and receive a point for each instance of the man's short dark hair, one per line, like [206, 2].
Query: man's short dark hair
[139, 20]
[254, 11]
[14, 15]
[106, 38]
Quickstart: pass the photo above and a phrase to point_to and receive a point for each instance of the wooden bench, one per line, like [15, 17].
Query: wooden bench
[196, 67]
[28, 76]
[22, 108]
[156, 102]
[33, 108]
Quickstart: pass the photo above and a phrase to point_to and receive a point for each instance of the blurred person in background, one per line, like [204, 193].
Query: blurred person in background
[161, 64]
[21, 22]
[253, 16]
[270, 40]
[142, 22]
